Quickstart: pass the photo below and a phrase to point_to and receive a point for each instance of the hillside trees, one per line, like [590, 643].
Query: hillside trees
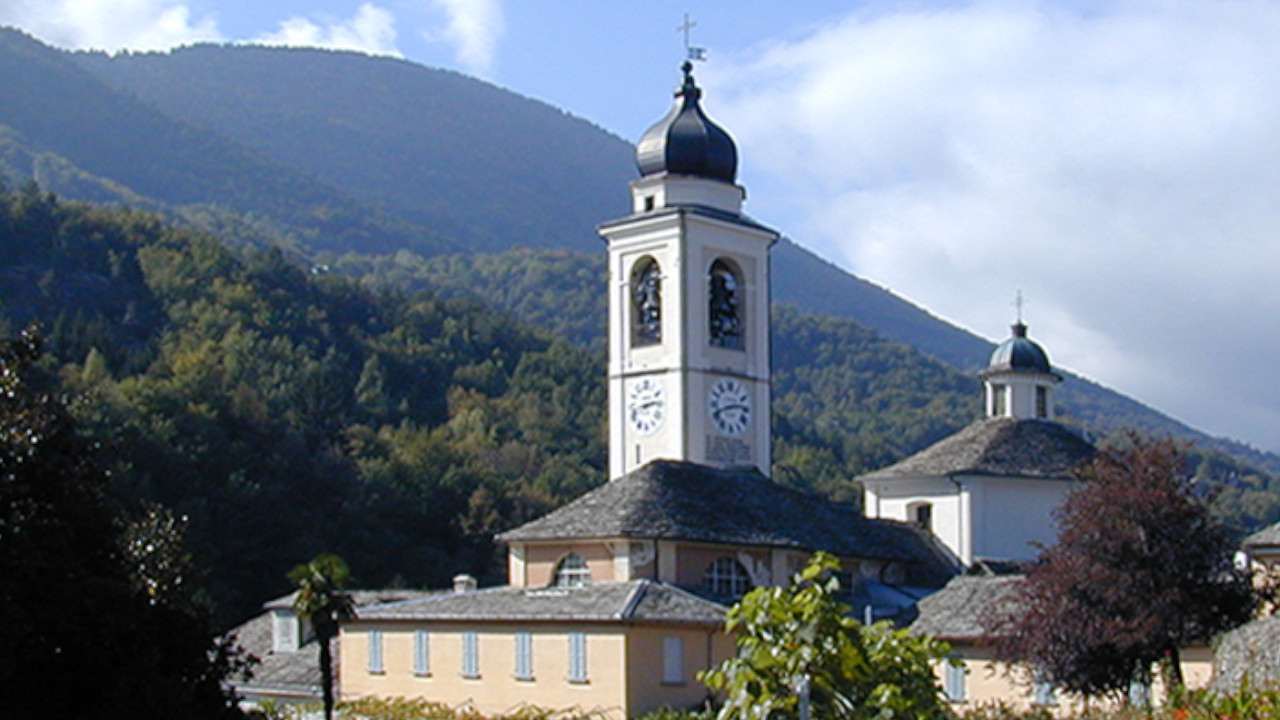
[1140, 570]
[285, 413]
[88, 597]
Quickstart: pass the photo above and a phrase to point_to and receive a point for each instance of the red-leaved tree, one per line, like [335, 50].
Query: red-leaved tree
[1140, 570]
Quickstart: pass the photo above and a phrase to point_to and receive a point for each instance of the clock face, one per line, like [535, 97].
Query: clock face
[730, 406]
[646, 405]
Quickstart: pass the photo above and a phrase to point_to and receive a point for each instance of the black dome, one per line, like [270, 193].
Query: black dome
[686, 141]
[1019, 353]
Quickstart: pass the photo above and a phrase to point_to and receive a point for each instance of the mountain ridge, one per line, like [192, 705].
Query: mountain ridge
[801, 278]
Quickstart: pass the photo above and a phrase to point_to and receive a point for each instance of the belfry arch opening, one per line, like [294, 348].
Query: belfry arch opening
[725, 311]
[646, 302]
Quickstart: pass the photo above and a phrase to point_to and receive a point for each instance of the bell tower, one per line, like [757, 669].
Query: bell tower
[688, 303]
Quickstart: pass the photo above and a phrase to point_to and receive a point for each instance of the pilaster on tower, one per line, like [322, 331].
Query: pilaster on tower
[688, 303]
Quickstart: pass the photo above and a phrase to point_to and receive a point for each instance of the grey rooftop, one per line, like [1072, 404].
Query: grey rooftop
[998, 446]
[636, 601]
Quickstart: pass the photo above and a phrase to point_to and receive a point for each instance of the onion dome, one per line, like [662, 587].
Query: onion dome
[686, 141]
[1019, 353]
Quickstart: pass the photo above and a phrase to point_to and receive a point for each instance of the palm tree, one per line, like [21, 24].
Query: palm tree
[321, 600]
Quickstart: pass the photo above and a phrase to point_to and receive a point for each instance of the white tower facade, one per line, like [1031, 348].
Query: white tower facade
[688, 304]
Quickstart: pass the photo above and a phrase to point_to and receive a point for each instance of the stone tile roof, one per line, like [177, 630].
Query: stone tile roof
[294, 673]
[685, 501]
[1267, 536]
[633, 601]
[1248, 655]
[955, 612]
[997, 446]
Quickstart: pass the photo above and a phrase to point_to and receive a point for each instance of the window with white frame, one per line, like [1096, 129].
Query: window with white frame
[673, 660]
[421, 653]
[524, 656]
[470, 655]
[375, 651]
[955, 679]
[577, 657]
[726, 578]
[572, 571]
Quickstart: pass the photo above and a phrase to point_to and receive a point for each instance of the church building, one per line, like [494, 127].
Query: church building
[615, 601]
[988, 491]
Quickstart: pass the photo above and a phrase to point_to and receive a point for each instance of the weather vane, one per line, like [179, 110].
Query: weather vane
[691, 52]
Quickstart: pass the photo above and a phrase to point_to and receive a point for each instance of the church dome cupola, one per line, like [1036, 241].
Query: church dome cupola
[686, 141]
[1019, 353]
[1019, 379]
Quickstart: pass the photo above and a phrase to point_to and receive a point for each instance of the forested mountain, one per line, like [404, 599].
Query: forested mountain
[480, 164]
[339, 408]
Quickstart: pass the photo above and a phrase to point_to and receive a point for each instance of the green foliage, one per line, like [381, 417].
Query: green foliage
[803, 633]
[321, 599]
[1139, 570]
[88, 597]
[1248, 704]
[398, 708]
[240, 392]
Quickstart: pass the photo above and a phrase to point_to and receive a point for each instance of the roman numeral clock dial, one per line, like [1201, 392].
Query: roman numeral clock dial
[646, 405]
[729, 405]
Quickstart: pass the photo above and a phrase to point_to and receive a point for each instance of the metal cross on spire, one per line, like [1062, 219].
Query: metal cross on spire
[691, 52]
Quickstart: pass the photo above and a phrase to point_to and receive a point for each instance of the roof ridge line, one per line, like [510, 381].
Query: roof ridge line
[633, 600]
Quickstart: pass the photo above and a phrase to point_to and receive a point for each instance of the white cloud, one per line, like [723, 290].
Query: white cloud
[474, 27]
[371, 30]
[110, 24]
[1120, 165]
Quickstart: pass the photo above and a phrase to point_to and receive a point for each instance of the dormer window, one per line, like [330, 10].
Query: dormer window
[286, 631]
[572, 572]
[726, 578]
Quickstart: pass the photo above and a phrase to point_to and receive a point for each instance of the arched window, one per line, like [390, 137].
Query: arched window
[572, 571]
[724, 306]
[726, 578]
[646, 302]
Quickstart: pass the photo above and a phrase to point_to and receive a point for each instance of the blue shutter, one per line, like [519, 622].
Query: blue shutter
[421, 653]
[375, 651]
[524, 655]
[470, 655]
[577, 657]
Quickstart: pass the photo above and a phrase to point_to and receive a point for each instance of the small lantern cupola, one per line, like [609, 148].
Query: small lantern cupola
[1019, 379]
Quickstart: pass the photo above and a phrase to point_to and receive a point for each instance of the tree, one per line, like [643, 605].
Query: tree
[83, 635]
[321, 601]
[802, 634]
[1140, 570]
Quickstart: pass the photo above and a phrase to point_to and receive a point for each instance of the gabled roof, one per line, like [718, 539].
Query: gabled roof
[1000, 447]
[955, 612]
[294, 673]
[672, 500]
[632, 601]
[1266, 537]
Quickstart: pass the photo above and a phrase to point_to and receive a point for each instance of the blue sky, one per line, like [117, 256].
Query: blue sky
[1118, 162]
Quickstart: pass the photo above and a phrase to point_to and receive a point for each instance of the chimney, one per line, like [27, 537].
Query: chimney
[463, 583]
